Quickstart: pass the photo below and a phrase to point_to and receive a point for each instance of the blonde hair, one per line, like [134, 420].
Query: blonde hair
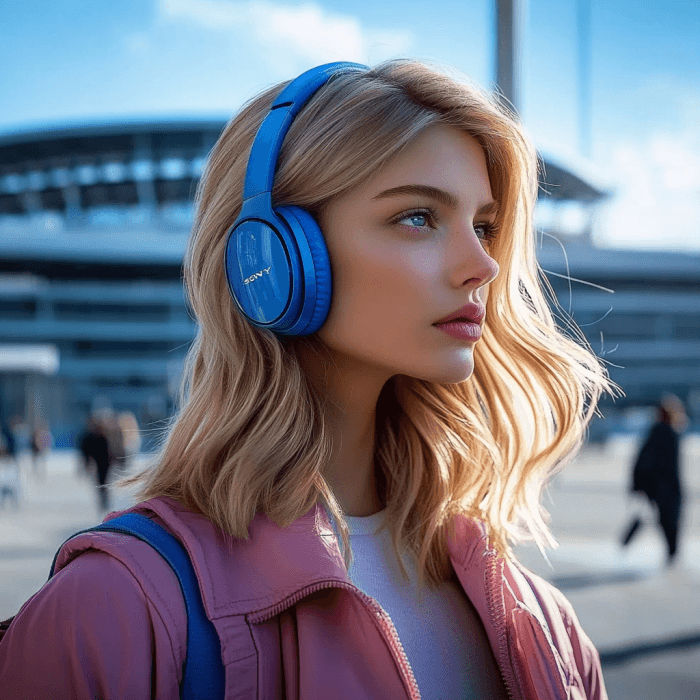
[252, 433]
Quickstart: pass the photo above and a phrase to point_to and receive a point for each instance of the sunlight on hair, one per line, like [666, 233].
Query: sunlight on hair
[252, 432]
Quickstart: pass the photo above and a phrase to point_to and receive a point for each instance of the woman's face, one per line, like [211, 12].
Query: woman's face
[408, 248]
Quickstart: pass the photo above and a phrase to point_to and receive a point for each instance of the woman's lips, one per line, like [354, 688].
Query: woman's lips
[461, 330]
[471, 312]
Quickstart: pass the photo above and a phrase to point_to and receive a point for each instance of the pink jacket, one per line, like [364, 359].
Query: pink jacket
[291, 623]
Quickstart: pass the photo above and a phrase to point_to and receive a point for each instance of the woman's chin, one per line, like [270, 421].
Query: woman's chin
[451, 373]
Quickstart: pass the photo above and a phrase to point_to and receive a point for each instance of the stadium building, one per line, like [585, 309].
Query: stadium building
[93, 226]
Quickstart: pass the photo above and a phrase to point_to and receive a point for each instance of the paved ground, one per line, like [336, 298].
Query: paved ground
[644, 619]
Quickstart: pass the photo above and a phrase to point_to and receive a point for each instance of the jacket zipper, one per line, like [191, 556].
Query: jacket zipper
[386, 625]
[498, 620]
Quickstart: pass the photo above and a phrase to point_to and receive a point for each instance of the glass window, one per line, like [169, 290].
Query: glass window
[173, 168]
[114, 172]
[17, 308]
[686, 326]
[633, 326]
[69, 310]
[119, 348]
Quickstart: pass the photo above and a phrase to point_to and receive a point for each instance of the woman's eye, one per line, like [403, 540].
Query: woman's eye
[486, 231]
[416, 219]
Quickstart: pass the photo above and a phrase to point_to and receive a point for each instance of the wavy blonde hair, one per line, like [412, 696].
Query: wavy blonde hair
[252, 433]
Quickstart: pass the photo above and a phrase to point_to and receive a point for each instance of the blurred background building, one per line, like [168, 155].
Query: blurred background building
[93, 225]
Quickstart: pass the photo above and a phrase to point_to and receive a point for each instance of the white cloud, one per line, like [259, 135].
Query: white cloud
[213, 14]
[677, 161]
[290, 36]
[657, 200]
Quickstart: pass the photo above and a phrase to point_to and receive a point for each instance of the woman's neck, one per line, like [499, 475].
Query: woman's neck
[352, 389]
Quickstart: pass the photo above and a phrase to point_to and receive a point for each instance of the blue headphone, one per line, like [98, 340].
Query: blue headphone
[277, 264]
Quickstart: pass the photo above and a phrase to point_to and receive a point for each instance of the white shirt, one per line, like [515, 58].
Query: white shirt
[441, 632]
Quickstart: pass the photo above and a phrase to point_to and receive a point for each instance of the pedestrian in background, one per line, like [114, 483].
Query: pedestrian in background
[131, 437]
[115, 438]
[656, 473]
[42, 442]
[94, 448]
[9, 441]
[10, 477]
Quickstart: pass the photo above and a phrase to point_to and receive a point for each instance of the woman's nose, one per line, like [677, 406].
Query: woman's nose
[475, 263]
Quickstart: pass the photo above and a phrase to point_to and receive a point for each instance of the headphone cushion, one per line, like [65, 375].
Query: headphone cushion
[306, 229]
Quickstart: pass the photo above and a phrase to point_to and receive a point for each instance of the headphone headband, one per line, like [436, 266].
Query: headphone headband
[277, 264]
[262, 161]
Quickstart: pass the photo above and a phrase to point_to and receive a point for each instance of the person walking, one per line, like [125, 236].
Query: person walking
[656, 474]
[10, 475]
[41, 444]
[115, 439]
[94, 448]
[131, 437]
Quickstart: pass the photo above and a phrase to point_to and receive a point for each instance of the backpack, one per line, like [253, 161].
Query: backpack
[203, 674]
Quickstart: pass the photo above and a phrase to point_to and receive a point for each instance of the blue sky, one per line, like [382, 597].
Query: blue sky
[68, 61]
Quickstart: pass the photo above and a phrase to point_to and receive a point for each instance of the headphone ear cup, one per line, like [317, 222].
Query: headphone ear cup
[315, 266]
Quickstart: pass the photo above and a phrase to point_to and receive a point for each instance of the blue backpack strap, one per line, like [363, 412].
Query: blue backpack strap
[203, 676]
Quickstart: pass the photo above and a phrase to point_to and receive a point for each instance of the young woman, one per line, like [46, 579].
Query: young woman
[349, 482]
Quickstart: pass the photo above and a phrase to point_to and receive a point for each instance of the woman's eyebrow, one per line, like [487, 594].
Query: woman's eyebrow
[488, 209]
[442, 196]
[445, 198]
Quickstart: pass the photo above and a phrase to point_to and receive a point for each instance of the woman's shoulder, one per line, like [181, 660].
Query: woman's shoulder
[549, 598]
[69, 596]
[145, 574]
[563, 623]
[101, 632]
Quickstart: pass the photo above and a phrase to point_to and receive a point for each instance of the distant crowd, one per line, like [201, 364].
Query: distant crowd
[108, 444]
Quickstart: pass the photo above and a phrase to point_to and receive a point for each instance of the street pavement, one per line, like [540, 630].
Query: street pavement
[643, 618]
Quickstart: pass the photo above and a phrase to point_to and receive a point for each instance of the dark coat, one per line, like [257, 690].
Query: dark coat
[656, 471]
[94, 444]
[9, 440]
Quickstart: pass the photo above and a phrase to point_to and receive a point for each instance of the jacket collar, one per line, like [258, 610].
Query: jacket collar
[239, 576]
[274, 564]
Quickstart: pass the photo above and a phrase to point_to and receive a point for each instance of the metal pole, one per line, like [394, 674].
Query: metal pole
[509, 49]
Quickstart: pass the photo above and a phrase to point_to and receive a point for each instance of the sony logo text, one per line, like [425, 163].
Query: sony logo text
[255, 275]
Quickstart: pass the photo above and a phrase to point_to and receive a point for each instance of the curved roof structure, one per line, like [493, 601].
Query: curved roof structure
[152, 162]
[99, 136]
[573, 180]
[126, 163]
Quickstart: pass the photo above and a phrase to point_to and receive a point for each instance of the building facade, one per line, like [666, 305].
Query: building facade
[93, 225]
